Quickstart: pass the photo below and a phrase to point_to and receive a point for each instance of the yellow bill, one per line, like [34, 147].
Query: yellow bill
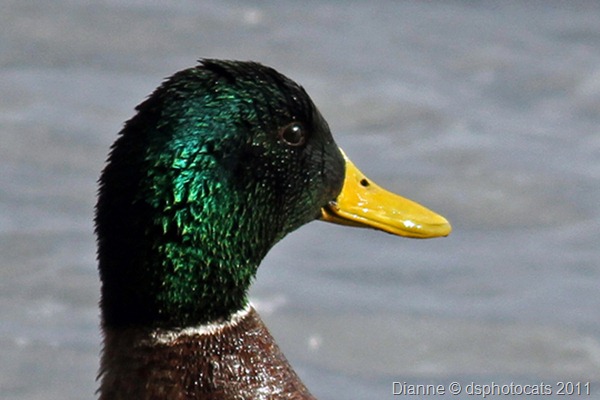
[363, 203]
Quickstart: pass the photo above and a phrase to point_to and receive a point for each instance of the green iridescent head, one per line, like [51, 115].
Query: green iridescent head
[219, 163]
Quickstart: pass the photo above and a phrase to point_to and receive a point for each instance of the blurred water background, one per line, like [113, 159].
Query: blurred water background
[487, 112]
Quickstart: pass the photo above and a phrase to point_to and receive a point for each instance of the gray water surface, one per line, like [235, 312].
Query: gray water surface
[487, 112]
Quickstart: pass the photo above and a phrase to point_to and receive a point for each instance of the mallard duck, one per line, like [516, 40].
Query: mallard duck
[219, 163]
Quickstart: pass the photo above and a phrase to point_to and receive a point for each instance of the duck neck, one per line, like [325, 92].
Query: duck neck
[180, 278]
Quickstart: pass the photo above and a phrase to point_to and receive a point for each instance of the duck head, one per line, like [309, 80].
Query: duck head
[219, 163]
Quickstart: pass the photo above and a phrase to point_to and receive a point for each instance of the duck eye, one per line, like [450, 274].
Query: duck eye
[293, 134]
